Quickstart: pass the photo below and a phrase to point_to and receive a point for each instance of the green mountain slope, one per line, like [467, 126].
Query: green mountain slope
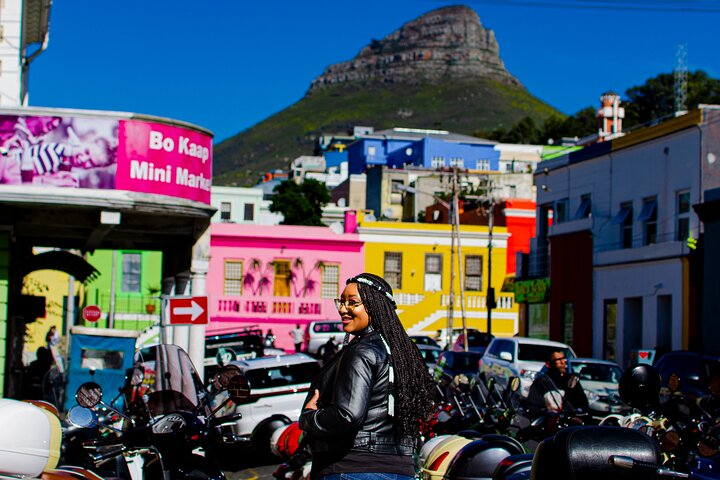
[458, 105]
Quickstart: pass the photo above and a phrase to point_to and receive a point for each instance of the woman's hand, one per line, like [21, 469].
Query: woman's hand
[312, 403]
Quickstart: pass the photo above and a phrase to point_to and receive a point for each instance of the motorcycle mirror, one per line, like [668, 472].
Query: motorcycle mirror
[573, 379]
[514, 384]
[490, 383]
[239, 388]
[673, 382]
[222, 379]
[82, 417]
[137, 376]
[89, 394]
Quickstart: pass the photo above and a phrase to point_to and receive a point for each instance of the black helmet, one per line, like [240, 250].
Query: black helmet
[640, 386]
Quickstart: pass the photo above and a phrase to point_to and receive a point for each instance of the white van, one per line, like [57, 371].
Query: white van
[521, 357]
[318, 333]
[278, 385]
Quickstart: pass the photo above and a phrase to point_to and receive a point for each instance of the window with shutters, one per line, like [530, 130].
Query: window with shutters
[393, 269]
[233, 277]
[473, 273]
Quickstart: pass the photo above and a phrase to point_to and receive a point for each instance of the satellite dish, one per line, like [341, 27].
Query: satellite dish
[388, 213]
[341, 202]
[337, 227]
[370, 218]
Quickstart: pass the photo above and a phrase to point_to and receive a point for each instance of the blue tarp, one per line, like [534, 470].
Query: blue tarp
[109, 356]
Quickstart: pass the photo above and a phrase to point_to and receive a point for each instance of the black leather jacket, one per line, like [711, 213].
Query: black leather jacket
[352, 412]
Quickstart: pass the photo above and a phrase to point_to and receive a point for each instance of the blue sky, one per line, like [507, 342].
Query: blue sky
[228, 64]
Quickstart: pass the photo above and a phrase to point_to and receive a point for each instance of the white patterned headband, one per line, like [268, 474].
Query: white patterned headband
[372, 284]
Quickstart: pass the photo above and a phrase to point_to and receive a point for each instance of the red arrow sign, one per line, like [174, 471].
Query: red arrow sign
[188, 311]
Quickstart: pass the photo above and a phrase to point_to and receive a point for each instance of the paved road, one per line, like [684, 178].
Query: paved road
[263, 472]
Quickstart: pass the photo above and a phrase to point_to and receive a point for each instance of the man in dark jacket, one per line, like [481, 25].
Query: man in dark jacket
[556, 389]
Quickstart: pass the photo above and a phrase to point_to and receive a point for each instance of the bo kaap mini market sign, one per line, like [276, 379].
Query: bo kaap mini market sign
[532, 291]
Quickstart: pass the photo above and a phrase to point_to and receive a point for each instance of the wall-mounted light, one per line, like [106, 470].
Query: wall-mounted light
[545, 188]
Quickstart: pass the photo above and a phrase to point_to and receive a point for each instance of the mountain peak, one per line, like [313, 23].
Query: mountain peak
[449, 42]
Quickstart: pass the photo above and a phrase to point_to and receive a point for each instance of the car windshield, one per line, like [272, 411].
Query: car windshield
[333, 327]
[597, 372]
[465, 362]
[478, 339]
[282, 375]
[430, 355]
[530, 352]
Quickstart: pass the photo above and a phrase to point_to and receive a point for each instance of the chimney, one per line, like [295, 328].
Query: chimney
[350, 221]
[610, 115]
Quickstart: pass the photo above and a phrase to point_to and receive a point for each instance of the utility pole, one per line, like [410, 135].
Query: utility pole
[490, 301]
[456, 235]
[451, 302]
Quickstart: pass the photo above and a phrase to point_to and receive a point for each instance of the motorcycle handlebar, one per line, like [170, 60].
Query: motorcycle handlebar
[630, 463]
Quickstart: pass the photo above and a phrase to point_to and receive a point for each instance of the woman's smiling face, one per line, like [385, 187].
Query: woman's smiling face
[354, 319]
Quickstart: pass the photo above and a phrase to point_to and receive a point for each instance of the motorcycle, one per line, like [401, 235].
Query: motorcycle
[30, 442]
[168, 422]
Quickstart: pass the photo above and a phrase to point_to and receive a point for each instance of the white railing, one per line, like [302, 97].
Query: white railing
[479, 301]
[408, 299]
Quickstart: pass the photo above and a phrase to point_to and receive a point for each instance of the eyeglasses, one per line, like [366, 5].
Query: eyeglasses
[349, 304]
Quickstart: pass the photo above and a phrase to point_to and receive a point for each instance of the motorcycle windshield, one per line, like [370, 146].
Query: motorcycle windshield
[170, 381]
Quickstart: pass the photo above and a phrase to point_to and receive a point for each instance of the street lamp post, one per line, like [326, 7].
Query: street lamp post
[490, 301]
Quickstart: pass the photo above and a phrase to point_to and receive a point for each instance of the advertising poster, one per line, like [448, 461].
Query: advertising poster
[105, 153]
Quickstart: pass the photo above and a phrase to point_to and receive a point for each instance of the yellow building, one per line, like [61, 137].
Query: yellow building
[54, 286]
[415, 258]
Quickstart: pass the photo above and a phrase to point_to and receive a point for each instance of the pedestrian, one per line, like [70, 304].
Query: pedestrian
[362, 414]
[329, 349]
[297, 336]
[52, 337]
[269, 339]
[555, 389]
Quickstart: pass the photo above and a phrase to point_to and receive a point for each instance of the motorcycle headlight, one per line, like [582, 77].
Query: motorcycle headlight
[168, 424]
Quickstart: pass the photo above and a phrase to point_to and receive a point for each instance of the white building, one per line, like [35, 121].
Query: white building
[620, 267]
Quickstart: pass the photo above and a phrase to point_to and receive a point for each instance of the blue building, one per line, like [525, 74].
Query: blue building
[401, 147]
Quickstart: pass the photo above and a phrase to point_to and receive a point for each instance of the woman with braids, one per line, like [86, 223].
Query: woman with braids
[363, 411]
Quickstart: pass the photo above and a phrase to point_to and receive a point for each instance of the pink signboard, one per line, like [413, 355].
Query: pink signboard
[105, 153]
[157, 158]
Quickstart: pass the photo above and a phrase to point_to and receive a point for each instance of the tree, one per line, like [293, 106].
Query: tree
[655, 99]
[300, 204]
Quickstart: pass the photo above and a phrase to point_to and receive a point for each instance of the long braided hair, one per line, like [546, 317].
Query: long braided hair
[413, 387]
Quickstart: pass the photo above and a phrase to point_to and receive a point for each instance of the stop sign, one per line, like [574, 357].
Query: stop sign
[91, 313]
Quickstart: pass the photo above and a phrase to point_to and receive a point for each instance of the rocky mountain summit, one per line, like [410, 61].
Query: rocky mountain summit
[442, 71]
[449, 42]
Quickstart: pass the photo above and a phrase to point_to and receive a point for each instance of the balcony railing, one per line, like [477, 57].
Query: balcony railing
[479, 302]
[273, 307]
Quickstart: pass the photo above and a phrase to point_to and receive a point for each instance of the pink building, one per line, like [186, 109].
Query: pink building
[277, 276]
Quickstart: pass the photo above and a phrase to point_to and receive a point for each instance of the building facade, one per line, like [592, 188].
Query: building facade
[618, 251]
[276, 277]
[416, 259]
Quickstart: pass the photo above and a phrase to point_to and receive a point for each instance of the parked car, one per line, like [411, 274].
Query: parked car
[454, 363]
[693, 369]
[477, 341]
[520, 357]
[600, 379]
[319, 332]
[430, 355]
[222, 348]
[278, 386]
[424, 340]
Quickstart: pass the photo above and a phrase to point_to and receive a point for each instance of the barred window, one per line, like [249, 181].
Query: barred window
[233, 277]
[393, 269]
[330, 281]
[225, 211]
[473, 273]
[131, 267]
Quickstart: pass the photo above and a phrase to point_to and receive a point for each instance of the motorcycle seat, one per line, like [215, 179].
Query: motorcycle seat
[581, 453]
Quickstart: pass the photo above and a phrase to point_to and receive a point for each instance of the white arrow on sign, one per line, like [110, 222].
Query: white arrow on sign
[194, 310]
